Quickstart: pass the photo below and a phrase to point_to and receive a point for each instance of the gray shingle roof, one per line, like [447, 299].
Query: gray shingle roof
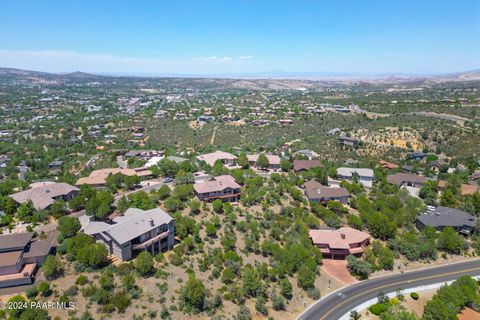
[447, 217]
[14, 240]
[136, 222]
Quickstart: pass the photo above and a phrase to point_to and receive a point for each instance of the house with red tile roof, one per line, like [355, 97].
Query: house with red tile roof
[338, 244]
[468, 314]
[223, 187]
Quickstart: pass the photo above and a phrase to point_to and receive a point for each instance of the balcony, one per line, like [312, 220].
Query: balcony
[149, 242]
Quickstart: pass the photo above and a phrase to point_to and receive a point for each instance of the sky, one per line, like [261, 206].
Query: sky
[241, 36]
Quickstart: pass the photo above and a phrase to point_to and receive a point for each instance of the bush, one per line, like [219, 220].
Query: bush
[81, 280]
[414, 295]
[313, 293]
[52, 268]
[377, 308]
[144, 263]
[44, 289]
[31, 292]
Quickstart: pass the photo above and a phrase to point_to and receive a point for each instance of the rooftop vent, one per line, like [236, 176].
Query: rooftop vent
[342, 234]
[152, 223]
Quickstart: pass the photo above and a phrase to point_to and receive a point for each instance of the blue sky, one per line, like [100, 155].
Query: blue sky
[241, 36]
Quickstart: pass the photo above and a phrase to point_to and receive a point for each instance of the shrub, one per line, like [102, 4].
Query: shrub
[81, 280]
[44, 289]
[31, 292]
[414, 295]
[144, 263]
[377, 308]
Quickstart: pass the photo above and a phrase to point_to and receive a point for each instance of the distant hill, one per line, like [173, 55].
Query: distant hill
[254, 81]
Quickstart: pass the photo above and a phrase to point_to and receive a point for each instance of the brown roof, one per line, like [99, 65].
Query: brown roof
[42, 195]
[218, 184]
[468, 314]
[315, 190]
[388, 165]
[401, 178]
[465, 189]
[299, 165]
[338, 239]
[10, 258]
[14, 240]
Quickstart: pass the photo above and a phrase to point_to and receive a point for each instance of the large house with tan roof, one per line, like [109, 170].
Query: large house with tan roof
[98, 178]
[225, 157]
[273, 160]
[338, 244]
[224, 188]
[20, 257]
[44, 194]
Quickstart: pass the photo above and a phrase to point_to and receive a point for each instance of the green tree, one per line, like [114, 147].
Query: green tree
[164, 192]
[285, 288]
[144, 263]
[450, 241]
[217, 205]
[251, 281]
[242, 160]
[93, 255]
[193, 293]
[68, 226]
[286, 165]
[52, 267]
[262, 162]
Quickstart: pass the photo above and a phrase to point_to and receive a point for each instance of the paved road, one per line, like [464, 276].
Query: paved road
[341, 302]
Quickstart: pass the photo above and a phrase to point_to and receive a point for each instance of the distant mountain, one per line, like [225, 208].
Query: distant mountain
[473, 75]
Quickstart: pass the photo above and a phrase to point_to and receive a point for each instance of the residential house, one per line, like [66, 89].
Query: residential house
[407, 180]
[338, 244]
[4, 161]
[465, 189]
[364, 175]
[417, 155]
[55, 166]
[309, 154]
[224, 188]
[285, 122]
[225, 157]
[348, 141]
[388, 165]
[316, 192]
[20, 257]
[304, 165]
[134, 231]
[22, 169]
[442, 217]
[43, 195]
[98, 178]
[143, 154]
[273, 160]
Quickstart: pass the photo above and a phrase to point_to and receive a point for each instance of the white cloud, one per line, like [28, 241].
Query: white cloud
[65, 61]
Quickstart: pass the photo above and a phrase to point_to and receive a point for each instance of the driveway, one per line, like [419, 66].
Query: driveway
[338, 269]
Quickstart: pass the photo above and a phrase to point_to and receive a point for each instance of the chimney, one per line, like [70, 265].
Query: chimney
[342, 234]
[151, 222]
